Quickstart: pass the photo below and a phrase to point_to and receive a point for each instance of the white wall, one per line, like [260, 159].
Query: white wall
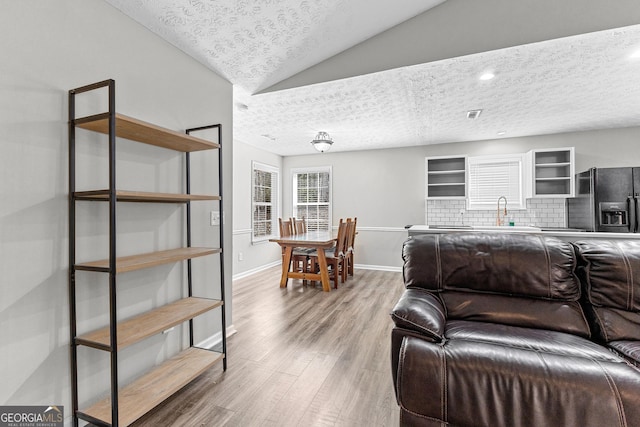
[254, 256]
[49, 47]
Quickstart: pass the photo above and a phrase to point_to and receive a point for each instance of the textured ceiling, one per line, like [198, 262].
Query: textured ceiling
[577, 83]
[585, 82]
[257, 43]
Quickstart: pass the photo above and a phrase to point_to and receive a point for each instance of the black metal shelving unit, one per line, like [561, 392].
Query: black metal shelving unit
[126, 404]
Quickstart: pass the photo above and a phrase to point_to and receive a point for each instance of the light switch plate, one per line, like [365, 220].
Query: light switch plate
[215, 218]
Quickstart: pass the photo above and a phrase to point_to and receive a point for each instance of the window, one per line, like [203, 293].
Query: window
[312, 197]
[493, 176]
[264, 202]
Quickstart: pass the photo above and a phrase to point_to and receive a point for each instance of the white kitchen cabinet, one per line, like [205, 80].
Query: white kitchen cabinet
[446, 177]
[552, 172]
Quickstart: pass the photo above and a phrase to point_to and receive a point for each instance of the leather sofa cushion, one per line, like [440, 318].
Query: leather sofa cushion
[611, 272]
[465, 382]
[629, 349]
[563, 316]
[500, 263]
[538, 340]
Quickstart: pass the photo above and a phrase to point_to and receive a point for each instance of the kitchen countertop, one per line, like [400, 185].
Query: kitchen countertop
[565, 234]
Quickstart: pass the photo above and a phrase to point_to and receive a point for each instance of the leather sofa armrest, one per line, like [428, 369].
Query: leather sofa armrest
[421, 311]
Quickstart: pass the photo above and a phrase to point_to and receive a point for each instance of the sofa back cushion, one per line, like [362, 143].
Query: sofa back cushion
[514, 279]
[610, 270]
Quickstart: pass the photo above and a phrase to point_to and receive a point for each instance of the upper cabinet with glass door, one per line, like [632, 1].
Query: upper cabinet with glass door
[446, 177]
[553, 172]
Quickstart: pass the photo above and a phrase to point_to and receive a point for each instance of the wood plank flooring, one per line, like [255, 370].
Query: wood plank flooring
[301, 357]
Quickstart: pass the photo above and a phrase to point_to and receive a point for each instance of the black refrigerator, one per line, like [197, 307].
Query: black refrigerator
[607, 199]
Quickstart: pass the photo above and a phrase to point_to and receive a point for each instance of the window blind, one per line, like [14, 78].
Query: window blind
[491, 177]
[312, 198]
[264, 202]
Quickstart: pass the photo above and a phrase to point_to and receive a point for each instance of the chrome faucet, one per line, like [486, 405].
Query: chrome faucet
[500, 221]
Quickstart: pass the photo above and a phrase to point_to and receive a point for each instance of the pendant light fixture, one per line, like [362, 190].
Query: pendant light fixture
[322, 142]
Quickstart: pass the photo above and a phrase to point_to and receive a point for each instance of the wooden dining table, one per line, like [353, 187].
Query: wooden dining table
[319, 240]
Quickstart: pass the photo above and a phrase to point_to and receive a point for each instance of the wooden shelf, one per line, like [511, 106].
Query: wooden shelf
[153, 388]
[147, 133]
[139, 262]
[141, 196]
[150, 323]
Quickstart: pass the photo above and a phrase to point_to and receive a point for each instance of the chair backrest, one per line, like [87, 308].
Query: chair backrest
[351, 233]
[286, 228]
[341, 240]
[299, 225]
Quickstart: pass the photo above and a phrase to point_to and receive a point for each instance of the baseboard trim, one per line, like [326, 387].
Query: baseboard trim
[255, 270]
[251, 272]
[216, 339]
[378, 267]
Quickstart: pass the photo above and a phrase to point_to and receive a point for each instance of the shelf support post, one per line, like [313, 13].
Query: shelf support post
[72, 259]
[218, 127]
[113, 307]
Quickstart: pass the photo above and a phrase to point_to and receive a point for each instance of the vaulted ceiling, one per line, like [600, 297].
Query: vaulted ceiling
[582, 82]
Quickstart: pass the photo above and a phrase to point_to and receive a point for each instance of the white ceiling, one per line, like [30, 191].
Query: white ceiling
[584, 82]
[257, 43]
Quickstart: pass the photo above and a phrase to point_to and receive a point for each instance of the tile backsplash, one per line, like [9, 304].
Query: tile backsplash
[540, 213]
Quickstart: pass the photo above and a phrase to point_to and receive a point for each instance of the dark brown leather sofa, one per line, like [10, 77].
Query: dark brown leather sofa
[517, 330]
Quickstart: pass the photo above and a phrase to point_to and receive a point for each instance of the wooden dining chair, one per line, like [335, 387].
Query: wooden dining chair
[351, 241]
[299, 225]
[286, 228]
[300, 256]
[335, 257]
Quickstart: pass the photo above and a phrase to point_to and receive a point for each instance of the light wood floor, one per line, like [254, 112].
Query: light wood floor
[301, 357]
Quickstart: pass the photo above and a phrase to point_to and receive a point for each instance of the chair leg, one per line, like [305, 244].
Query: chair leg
[350, 264]
[313, 267]
[337, 270]
[304, 268]
[334, 273]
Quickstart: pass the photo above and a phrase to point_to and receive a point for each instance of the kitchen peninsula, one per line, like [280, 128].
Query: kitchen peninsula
[561, 233]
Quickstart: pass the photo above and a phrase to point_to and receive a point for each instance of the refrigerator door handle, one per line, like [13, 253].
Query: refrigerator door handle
[636, 213]
[632, 205]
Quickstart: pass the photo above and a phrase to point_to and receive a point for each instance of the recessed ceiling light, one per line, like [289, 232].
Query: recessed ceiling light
[487, 76]
[635, 55]
[502, 132]
[473, 114]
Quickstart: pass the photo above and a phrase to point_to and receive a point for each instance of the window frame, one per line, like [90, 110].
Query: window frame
[515, 201]
[294, 190]
[275, 201]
